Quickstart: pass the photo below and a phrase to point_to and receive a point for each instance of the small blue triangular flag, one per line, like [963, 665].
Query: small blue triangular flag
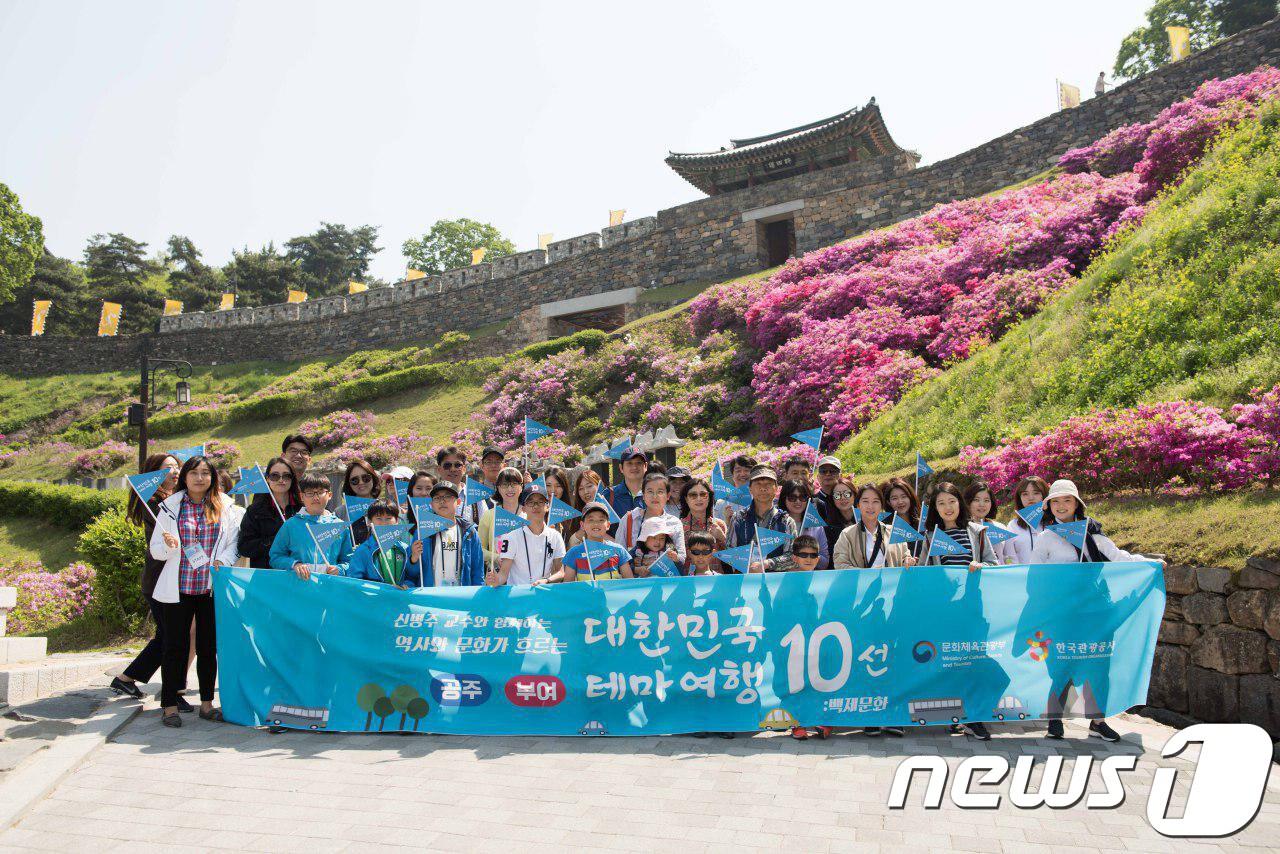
[944, 544]
[615, 453]
[923, 469]
[356, 506]
[811, 517]
[997, 533]
[664, 567]
[504, 522]
[476, 491]
[561, 512]
[738, 557]
[326, 531]
[812, 438]
[768, 540]
[147, 483]
[924, 516]
[901, 532]
[602, 495]
[533, 431]
[1032, 514]
[1072, 532]
[597, 553]
[396, 534]
[402, 491]
[429, 521]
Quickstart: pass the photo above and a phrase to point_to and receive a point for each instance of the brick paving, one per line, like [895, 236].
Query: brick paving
[209, 786]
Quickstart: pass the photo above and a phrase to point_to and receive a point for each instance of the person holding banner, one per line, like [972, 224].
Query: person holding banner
[268, 511]
[197, 529]
[980, 501]
[1059, 544]
[1028, 496]
[453, 557]
[794, 499]
[764, 513]
[143, 514]
[696, 517]
[951, 524]
[372, 561]
[510, 485]
[596, 558]
[865, 544]
[313, 539]
[656, 494]
[361, 480]
[903, 501]
[534, 552]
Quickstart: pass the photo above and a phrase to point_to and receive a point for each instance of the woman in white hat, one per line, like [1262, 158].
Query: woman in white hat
[1062, 505]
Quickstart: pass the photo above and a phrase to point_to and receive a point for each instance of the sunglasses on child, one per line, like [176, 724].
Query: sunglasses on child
[700, 552]
[806, 555]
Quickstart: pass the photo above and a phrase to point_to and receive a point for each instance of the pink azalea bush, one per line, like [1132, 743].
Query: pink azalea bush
[100, 461]
[46, 599]
[337, 428]
[1177, 444]
[1158, 151]
[221, 454]
[408, 449]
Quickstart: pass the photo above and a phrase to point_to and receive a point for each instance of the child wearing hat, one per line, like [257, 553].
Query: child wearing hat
[595, 531]
[657, 535]
[452, 557]
[532, 554]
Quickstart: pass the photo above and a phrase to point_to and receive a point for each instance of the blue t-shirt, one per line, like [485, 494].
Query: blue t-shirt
[576, 557]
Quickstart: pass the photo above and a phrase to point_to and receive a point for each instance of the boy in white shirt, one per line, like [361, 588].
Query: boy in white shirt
[531, 554]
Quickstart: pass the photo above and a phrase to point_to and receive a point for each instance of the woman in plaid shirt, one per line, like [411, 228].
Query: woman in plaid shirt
[197, 528]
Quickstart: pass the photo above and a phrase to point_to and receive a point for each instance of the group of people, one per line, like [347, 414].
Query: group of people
[652, 514]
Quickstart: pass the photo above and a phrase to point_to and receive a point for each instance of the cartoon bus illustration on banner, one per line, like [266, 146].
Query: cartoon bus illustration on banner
[936, 710]
[299, 716]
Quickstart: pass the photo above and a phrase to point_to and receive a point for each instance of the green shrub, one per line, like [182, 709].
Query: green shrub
[589, 340]
[71, 507]
[115, 548]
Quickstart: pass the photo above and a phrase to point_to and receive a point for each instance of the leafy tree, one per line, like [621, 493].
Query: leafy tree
[198, 285]
[119, 271]
[418, 709]
[401, 697]
[1236, 15]
[383, 707]
[448, 245]
[73, 311]
[261, 277]
[21, 242]
[333, 255]
[366, 698]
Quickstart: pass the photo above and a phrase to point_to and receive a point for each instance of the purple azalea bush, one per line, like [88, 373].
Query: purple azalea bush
[100, 461]
[337, 428]
[46, 599]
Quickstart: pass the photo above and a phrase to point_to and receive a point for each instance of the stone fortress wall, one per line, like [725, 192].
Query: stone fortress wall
[707, 240]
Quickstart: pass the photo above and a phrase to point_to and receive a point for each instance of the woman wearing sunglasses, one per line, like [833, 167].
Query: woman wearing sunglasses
[268, 511]
[361, 480]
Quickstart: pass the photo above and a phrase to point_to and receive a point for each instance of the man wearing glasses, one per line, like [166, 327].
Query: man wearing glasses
[296, 450]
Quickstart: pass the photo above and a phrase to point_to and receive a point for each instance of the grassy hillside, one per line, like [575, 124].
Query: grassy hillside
[1187, 305]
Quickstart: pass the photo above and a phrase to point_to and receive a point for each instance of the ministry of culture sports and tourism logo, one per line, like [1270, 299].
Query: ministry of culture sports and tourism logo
[1039, 646]
[923, 651]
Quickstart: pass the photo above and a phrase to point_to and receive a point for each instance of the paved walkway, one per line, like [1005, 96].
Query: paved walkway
[210, 786]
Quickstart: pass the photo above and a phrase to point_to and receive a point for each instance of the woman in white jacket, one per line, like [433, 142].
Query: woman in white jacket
[197, 528]
[1063, 505]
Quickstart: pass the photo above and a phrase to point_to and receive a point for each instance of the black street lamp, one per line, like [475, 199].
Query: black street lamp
[138, 412]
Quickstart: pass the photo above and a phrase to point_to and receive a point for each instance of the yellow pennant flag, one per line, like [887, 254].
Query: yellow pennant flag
[477, 255]
[172, 307]
[39, 314]
[1068, 96]
[228, 302]
[411, 274]
[615, 217]
[544, 240]
[1179, 42]
[356, 287]
[109, 322]
[297, 296]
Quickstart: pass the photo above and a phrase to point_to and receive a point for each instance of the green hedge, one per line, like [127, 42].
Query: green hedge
[589, 340]
[72, 507]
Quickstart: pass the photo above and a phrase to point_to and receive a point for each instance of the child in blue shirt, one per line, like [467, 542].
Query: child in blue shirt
[305, 543]
[453, 557]
[384, 563]
[595, 527]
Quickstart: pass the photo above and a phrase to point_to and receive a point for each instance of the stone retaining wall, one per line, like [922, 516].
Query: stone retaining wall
[1218, 659]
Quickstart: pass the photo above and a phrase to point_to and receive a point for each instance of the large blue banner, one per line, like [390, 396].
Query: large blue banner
[926, 645]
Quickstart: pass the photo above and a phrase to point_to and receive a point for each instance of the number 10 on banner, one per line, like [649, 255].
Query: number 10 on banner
[804, 658]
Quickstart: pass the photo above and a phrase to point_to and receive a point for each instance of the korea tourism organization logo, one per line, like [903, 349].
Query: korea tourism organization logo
[1228, 781]
[923, 651]
[1039, 646]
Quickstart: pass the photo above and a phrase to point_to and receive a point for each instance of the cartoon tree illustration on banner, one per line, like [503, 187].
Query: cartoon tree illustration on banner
[383, 707]
[401, 697]
[366, 697]
[417, 710]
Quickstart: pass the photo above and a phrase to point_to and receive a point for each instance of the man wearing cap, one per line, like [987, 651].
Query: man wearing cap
[452, 557]
[764, 513]
[532, 554]
[491, 460]
[829, 471]
[628, 495]
[678, 477]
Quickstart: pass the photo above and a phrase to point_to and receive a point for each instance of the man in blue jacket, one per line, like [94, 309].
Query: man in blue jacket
[451, 558]
[629, 494]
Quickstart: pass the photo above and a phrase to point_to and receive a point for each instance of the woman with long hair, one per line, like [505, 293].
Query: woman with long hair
[902, 500]
[1028, 491]
[584, 492]
[794, 499]
[268, 511]
[196, 530]
[842, 500]
[360, 480]
[697, 514]
[981, 502]
[558, 487]
[147, 662]
[865, 545]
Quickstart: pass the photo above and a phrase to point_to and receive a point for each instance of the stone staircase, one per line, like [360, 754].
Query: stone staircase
[28, 673]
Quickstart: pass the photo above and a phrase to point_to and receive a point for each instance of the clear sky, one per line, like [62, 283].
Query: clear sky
[237, 123]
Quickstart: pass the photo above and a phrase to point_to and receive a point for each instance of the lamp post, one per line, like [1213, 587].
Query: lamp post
[138, 412]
